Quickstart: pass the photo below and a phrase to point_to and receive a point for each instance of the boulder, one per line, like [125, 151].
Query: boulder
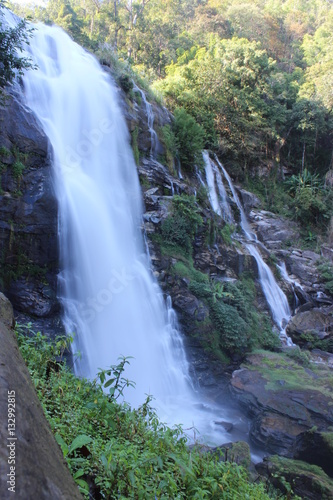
[283, 398]
[249, 200]
[6, 312]
[308, 327]
[307, 481]
[316, 448]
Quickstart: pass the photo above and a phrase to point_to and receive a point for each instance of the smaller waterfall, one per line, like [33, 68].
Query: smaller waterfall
[249, 234]
[212, 194]
[150, 120]
[293, 283]
[275, 297]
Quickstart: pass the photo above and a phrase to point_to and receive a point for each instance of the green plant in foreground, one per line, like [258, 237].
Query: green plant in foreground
[118, 451]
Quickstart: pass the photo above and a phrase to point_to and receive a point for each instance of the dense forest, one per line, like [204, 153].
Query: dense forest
[255, 76]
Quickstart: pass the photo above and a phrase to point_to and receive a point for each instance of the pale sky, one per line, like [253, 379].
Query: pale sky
[32, 2]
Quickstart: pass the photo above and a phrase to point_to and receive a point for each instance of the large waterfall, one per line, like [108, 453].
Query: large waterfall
[110, 298]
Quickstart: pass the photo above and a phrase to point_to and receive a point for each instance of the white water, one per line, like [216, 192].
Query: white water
[107, 290]
[275, 297]
[212, 194]
[150, 120]
[110, 298]
[249, 234]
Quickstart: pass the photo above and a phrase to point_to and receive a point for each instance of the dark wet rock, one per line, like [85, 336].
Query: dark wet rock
[307, 481]
[316, 448]
[158, 176]
[41, 471]
[305, 328]
[28, 211]
[228, 426]
[32, 296]
[272, 228]
[249, 200]
[283, 398]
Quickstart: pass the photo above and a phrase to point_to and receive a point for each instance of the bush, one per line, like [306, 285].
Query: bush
[189, 139]
[180, 227]
[12, 40]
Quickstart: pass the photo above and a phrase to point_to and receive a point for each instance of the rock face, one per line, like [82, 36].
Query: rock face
[308, 327]
[28, 212]
[40, 469]
[283, 398]
[316, 448]
[309, 482]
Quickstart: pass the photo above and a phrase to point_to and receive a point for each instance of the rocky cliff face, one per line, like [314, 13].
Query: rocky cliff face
[28, 212]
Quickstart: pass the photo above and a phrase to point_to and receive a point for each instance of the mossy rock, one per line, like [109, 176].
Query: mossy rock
[316, 448]
[310, 482]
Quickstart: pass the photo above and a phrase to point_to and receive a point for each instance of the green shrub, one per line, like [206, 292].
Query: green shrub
[326, 272]
[180, 227]
[226, 233]
[118, 451]
[189, 139]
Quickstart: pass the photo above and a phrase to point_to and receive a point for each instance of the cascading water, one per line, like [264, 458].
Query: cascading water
[275, 297]
[110, 298]
[150, 120]
[218, 200]
[107, 290]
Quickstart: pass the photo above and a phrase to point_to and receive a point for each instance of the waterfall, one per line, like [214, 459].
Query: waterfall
[275, 297]
[110, 298]
[250, 236]
[107, 290]
[218, 200]
[150, 120]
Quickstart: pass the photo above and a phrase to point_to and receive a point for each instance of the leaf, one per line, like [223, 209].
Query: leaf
[82, 484]
[78, 473]
[79, 441]
[62, 444]
[131, 477]
[109, 382]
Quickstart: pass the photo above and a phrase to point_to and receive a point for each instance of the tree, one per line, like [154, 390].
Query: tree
[12, 41]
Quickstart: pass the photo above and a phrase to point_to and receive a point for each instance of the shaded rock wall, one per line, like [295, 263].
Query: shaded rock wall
[28, 212]
[40, 469]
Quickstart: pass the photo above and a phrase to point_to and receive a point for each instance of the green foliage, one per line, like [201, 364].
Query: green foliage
[169, 140]
[12, 40]
[180, 227]
[189, 139]
[238, 326]
[326, 272]
[226, 233]
[121, 452]
[17, 169]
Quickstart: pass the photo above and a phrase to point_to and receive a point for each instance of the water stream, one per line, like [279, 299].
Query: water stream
[109, 295]
[150, 120]
[275, 297]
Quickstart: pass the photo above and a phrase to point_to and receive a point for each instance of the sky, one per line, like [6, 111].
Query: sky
[25, 2]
